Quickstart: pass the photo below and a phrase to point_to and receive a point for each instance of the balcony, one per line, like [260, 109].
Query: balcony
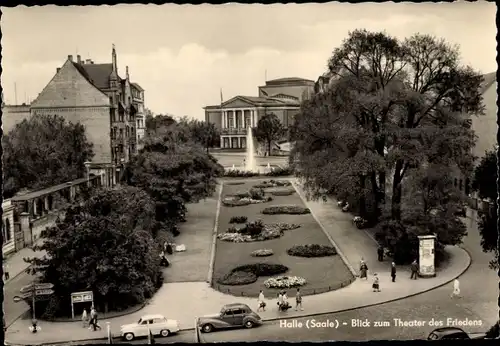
[234, 131]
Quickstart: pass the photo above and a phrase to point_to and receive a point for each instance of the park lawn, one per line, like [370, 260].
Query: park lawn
[322, 274]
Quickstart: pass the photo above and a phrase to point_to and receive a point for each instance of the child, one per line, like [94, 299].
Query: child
[376, 285]
[456, 289]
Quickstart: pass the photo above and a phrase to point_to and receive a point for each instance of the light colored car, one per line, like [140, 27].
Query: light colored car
[231, 316]
[158, 325]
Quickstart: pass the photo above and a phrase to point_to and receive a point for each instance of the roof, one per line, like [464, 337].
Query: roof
[137, 86]
[288, 79]
[232, 305]
[97, 74]
[261, 101]
[147, 317]
[489, 79]
[39, 193]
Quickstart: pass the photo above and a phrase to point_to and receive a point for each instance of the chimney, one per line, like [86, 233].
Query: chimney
[70, 58]
[88, 61]
[79, 59]
[58, 69]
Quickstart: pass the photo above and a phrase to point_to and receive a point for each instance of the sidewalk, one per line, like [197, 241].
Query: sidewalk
[185, 301]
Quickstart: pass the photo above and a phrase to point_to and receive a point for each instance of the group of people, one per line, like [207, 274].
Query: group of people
[282, 301]
[92, 323]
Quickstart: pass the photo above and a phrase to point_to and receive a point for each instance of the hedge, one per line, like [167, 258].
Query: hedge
[238, 219]
[283, 192]
[285, 209]
[262, 253]
[312, 250]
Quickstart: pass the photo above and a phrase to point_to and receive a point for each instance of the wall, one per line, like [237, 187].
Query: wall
[97, 127]
[12, 115]
[485, 126]
[295, 91]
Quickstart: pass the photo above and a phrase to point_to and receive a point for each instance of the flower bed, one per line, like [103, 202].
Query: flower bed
[272, 183]
[312, 250]
[285, 282]
[280, 172]
[236, 278]
[235, 183]
[236, 173]
[238, 219]
[262, 253]
[256, 231]
[283, 192]
[233, 201]
[285, 209]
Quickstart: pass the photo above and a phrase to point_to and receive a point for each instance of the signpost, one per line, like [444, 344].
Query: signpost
[35, 291]
[80, 297]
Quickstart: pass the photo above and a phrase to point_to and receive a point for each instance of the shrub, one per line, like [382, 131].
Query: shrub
[254, 228]
[235, 183]
[235, 278]
[279, 172]
[262, 269]
[285, 209]
[257, 194]
[312, 250]
[285, 282]
[272, 183]
[238, 219]
[235, 173]
[232, 202]
[283, 192]
[281, 226]
[241, 195]
[262, 253]
[233, 229]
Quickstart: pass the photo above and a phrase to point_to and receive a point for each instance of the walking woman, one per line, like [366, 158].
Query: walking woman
[363, 270]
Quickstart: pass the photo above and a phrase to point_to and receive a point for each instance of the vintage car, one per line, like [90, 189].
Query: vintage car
[231, 316]
[449, 333]
[157, 324]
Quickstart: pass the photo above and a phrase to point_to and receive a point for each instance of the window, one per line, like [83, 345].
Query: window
[112, 115]
[121, 133]
[238, 312]
[121, 116]
[111, 100]
[228, 313]
[230, 119]
[127, 132]
[4, 228]
[460, 184]
[158, 320]
[455, 182]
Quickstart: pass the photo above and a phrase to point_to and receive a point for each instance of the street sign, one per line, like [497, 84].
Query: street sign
[44, 292]
[81, 297]
[28, 289]
[44, 286]
[17, 299]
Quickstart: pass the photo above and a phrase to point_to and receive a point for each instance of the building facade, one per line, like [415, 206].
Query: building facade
[138, 101]
[281, 97]
[14, 114]
[8, 245]
[96, 96]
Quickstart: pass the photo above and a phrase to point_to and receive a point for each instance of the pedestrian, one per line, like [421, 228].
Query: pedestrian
[363, 270]
[456, 289]
[376, 283]
[414, 270]
[380, 253]
[325, 199]
[285, 298]
[298, 300]
[6, 271]
[244, 162]
[93, 319]
[280, 300]
[261, 301]
[85, 318]
[393, 271]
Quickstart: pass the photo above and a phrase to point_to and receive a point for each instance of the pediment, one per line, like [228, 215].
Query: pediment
[237, 102]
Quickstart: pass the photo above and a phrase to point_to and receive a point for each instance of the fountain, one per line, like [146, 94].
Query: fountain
[234, 167]
[269, 166]
[250, 165]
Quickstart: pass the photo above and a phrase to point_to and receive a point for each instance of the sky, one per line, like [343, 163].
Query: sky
[183, 55]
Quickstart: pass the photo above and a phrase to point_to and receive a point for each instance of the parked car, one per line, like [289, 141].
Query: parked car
[158, 325]
[448, 333]
[231, 316]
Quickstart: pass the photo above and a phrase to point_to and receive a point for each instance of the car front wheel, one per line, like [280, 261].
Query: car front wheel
[129, 336]
[207, 328]
[249, 324]
[165, 333]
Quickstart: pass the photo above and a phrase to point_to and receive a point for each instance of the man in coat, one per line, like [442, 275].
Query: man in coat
[393, 272]
[414, 270]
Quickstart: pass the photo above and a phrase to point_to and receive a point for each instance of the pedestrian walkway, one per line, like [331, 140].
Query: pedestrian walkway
[185, 301]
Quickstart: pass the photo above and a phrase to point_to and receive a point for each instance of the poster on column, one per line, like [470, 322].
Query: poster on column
[427, 256]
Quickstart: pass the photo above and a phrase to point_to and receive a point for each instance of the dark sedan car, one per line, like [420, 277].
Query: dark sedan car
[448, 333]
[231, 316]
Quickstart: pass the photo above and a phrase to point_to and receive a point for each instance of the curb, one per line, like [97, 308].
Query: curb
[294, 317]
[339, 252]
[214, 235]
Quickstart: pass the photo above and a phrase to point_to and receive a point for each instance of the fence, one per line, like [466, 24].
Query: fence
[240, 291]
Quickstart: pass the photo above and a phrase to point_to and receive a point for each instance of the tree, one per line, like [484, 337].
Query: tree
[204, 133]
[484, 182]
[173, 170]
[42, 151]
[104, 245]
[392, 108]
[155, 122]
[269, 129]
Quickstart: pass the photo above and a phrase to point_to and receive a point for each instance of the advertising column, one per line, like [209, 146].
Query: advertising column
[426, 255]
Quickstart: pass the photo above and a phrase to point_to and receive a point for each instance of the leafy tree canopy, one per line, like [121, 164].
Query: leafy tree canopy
[202, 132]
[174, 170]
[269, 129]
[42, 151]
[103, 245]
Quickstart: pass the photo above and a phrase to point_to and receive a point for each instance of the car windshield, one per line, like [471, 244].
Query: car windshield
[140, 321]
